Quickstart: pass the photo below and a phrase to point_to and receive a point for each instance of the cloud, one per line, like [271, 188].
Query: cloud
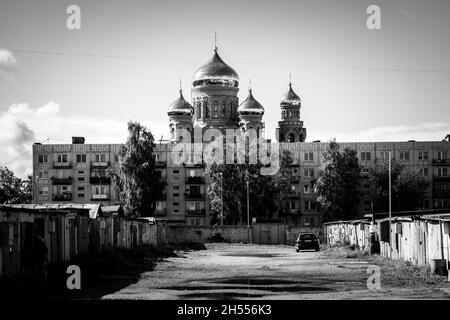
[22, 125]
[8, 65]
[7, 58]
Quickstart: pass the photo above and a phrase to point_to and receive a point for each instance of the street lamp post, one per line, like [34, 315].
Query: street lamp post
[390, 201]
[221, 197]
[248, 206]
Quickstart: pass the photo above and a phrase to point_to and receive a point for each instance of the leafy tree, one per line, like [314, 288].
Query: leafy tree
[283, 184]
[407, 187]
[136, 180]
[14, 189]
[267, 193]
[337, 188]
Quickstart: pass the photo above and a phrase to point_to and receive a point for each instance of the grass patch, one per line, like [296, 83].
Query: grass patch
[403, 273]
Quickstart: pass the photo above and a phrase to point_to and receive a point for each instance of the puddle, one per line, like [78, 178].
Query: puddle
[221, 295]
[291, 288]
[258, 282]
[252, 255]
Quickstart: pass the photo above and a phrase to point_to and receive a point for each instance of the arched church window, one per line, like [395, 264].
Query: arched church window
[206, 110]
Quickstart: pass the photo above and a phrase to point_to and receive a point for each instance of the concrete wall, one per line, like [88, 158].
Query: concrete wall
[202, 234]
[232, 234]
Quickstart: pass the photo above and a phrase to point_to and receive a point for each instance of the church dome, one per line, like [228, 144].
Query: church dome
[215, 69]
[290, 96]
[180, 107]
[250, 106]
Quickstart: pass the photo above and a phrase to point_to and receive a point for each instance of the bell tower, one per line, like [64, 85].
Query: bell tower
[290, 128]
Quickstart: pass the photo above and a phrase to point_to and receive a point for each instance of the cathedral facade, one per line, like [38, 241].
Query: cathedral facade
[77, 172]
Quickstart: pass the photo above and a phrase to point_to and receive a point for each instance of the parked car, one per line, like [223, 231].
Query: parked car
[307, 241]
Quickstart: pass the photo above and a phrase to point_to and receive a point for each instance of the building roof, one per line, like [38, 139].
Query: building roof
[250, 105]
[180, 107]
[93, 209]
[290, 96]
[215, 68]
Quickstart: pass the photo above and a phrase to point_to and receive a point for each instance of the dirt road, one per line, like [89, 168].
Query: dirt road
[233, 271]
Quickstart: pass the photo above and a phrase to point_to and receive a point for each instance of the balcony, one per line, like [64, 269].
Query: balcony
[62, 197]
[188, 195]
[100, 164]
[441, 194]
[195, 180]
[62, 181]
[442, 162]
[100, 197]
[100, 180]
[441, 178]
[62, 165]
[196, 213]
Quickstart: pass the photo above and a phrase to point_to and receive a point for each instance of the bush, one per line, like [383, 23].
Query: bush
[216, 237]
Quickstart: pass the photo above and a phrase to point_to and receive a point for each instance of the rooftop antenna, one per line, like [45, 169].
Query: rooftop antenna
[290, 80]
[215, 41]
[250, 85]
[181, 89]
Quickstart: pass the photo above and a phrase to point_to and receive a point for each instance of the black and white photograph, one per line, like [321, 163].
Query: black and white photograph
[207, 151]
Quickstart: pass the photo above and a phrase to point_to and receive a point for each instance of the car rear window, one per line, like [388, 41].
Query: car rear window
[307, 237]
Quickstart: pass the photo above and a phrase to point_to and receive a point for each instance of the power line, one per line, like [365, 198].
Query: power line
[415, 70]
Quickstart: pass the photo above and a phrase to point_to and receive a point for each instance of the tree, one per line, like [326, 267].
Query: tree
[283, 184]
[136, 180]
[234, 188]
[14, 189]
[337, 188]
[267, 193]
[407, 187]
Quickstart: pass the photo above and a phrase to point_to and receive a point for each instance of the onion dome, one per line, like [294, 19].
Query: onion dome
[290, 96]
[250, 106]
[215, 69]
[180, 107]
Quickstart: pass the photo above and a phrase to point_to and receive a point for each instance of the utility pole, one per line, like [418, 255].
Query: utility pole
[248, 206]
[390, 201]
[221, 197]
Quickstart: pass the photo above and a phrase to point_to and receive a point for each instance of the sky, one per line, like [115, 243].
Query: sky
[126, 61]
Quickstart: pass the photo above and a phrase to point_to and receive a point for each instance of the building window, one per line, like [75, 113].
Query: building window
[81, 158]
[440, 155]
[43, 158]
[442, 172]
[175, 211]
[100, 157]
[309, 221]
[309, 156]
[176, 204]
[365, 156]
[176, 194]
[62, 157]
[43, 191]
[384, 155]
[159, 206]
[426, 204]
[116, 158]
[423, 155]
[404, 155]
[309, 172]
[423, 172]
[80, 195]
[99, 190]
[43, 175]
[307, 188]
